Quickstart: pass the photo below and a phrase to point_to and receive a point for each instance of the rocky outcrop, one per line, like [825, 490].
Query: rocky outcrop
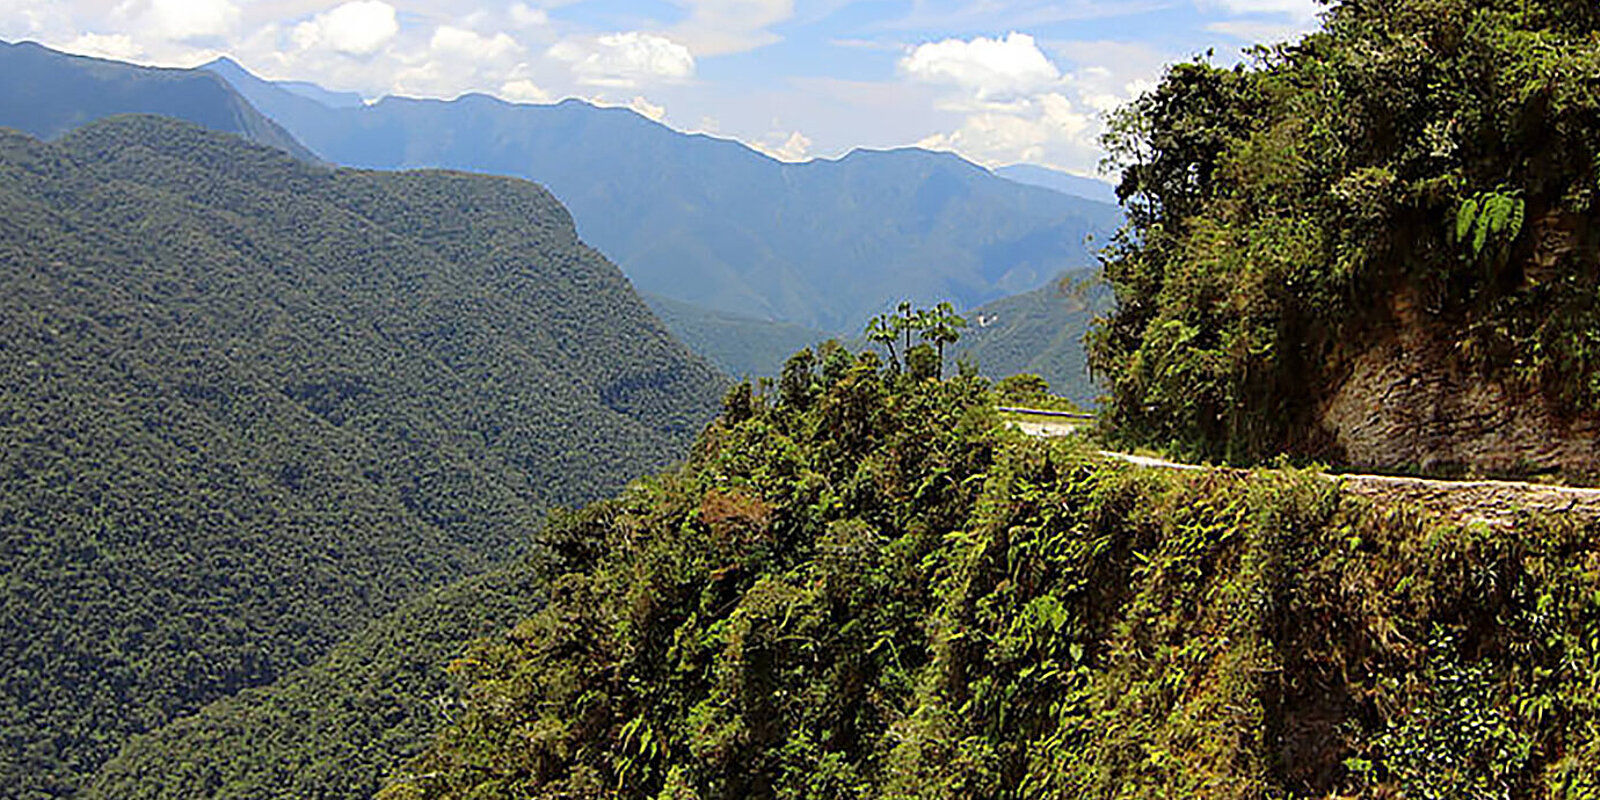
[1403, 406]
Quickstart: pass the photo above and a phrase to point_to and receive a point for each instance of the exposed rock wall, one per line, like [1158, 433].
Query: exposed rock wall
[1403, 407]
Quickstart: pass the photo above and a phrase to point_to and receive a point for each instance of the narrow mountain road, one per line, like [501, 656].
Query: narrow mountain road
[1491, 502]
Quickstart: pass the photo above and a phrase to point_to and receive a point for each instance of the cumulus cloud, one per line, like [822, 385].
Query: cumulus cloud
[990, 68]
[1013, 103]
[522, 90]
[33, 18]
[464, 44]
[358, 28]
[183, 20]
[625, 59]
[645, 108]
[797, 147]
[458, 60]
[525, 16]
[1046, 129]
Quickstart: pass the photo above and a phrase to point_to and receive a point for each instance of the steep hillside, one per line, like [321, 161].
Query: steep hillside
[739, 345]
[334, 728]
[711, 222]
[47, 93]
[872, 589]
[1040, 332]
[1379, 246]
[251, 404]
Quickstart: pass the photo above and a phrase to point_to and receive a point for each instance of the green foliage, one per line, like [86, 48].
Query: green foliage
[891, 595]
[1420, 164]
[331, 729]
[249, 405]
[1489, 216]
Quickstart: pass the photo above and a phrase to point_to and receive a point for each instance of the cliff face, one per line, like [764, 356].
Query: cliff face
[1407, 401]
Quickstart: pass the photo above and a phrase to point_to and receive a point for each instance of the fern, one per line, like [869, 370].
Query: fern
[1465, 217]
[1490, 215]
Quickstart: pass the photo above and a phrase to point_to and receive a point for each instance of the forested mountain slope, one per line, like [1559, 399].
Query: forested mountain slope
[47, 93]
[868, 587]
[1041, 333]
[250, 404]
[1378, 246]
[822, 244]
[334, 729]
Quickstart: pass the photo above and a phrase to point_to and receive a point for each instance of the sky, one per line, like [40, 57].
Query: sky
[998, 81]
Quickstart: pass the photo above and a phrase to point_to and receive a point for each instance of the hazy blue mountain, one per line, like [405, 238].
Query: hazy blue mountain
[1066, 183]
[712, 222]
[46, 93]
[311, 91]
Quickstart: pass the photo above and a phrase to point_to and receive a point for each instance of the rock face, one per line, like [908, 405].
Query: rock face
[1404, 406]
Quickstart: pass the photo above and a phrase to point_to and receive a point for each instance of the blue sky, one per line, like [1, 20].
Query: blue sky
[998, 82]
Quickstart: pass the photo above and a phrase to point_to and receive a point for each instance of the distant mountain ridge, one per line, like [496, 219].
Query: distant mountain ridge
[1066, 183]
[46, 93]
[712, 222]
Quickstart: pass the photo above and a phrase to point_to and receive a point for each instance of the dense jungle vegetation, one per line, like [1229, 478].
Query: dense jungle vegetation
[1424, 158]
[247, 405]
[866, 586]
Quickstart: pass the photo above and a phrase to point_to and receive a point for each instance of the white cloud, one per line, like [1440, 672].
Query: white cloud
[470, 45]
[625, 59]
[118, 46]
[1048, 128]
[523, 90]
[795, 148]
[182, 20]
[990, 68]
[525, 16]
[33, 18]
[1005, 101]
[456, 61]
[648, 109]
[358, 28]
[718, 27]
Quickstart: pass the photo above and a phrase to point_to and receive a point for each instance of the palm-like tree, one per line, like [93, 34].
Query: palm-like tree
[907, 320]
[941, 326]
[885, 329]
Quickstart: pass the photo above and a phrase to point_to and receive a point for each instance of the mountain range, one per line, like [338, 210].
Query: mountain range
[711, 222]
[46, 93]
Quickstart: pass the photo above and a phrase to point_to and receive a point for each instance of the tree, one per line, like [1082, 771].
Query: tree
[884, 330]
[942, 326]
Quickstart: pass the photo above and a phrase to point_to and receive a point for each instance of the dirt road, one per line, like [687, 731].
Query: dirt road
[1491, 502]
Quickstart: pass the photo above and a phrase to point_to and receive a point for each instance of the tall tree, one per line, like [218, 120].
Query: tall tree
[942, 326]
